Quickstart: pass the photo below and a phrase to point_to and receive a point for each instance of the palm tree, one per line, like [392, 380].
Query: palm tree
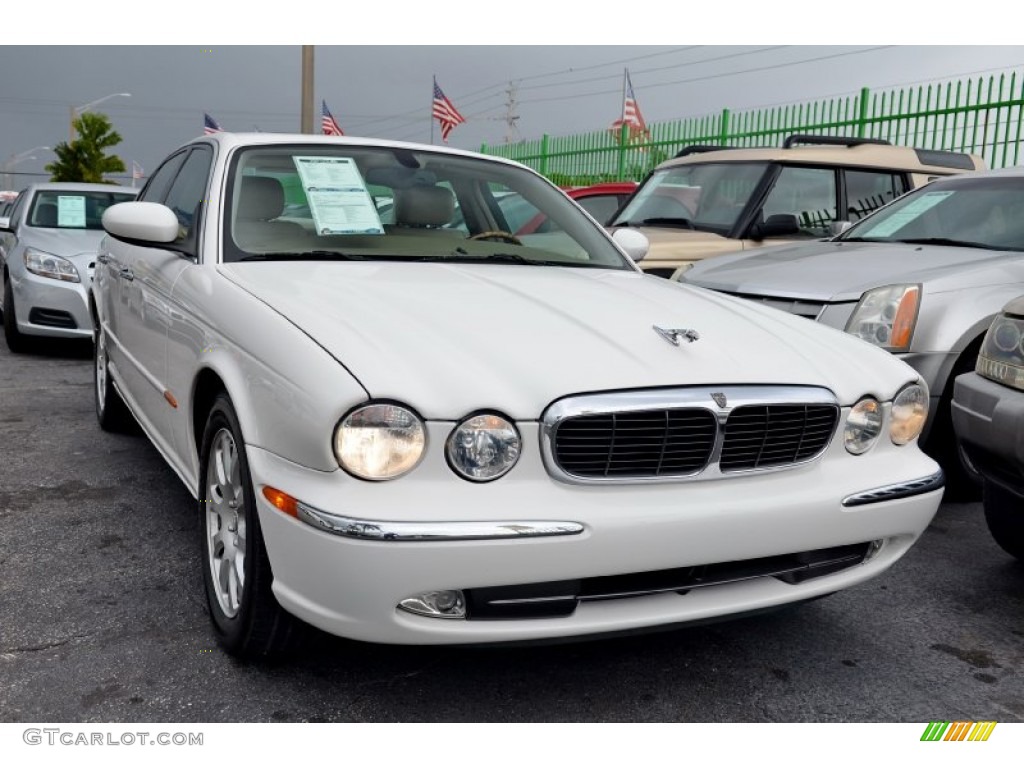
[84, 159]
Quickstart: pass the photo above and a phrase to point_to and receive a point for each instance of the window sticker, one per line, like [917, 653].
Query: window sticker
[913, 210]
[71, 211]
[337, 196]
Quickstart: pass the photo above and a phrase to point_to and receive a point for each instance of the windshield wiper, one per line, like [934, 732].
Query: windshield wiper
[946, 241]
[461, 256]
[658, 221]
[310, 255]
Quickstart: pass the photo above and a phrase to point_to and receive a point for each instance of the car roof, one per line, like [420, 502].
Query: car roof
[868, 155]
[80, 186]
[604, 188]
[228, 140]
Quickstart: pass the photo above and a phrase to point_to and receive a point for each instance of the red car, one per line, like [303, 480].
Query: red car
[599, 200]
[602, 200]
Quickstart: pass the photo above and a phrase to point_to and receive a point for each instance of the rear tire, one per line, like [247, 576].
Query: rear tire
[1004, 513]
[247, 619]
[17, 342]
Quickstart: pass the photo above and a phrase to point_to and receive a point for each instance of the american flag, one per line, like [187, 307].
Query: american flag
[328, 125]
[445, 112]
[631, 116]
[210, 125]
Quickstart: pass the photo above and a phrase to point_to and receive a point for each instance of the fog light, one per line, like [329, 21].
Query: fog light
[441, 604]
[874, 548]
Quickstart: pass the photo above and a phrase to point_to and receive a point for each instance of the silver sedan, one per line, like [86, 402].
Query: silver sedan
[922, 278]
[49, 252]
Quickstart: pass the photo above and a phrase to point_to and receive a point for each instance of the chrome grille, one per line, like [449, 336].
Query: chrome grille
[808, 309]
[643, 443]
[758, 436]
[685, 433]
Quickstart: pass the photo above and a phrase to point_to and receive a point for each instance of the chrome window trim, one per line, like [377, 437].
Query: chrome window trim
[697, 397]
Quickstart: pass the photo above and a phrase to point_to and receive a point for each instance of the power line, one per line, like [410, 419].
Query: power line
[649, 86]
[658, 69]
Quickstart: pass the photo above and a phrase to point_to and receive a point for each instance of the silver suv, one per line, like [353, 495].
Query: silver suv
[709, 201]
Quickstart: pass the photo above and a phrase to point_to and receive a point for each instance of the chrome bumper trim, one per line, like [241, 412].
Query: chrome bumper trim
[379, 530]
[898, 491]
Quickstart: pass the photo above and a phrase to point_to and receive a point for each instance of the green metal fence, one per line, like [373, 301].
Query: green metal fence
[982, 116]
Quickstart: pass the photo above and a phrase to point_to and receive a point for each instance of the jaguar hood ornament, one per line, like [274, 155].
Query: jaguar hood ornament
[673, 335]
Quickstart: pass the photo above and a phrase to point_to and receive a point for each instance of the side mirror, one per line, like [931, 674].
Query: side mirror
[141, 223]
[634, 243]
[777, 225]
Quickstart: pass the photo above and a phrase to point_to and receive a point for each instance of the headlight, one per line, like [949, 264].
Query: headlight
[886, 316]
[483, 447]
[863, 426]
[1002, 353]
[909, 413]
[48, 265]
[380, 441]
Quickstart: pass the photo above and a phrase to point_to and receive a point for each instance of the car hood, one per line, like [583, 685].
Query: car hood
[451, 339]
[838, 271]
[63, 242]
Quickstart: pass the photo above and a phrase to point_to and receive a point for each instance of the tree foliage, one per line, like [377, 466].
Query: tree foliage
[85, 158]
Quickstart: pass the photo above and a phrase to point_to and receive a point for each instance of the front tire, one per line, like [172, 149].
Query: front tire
[1004, 513]
[111, 412]
[247, 619]
[17, 342]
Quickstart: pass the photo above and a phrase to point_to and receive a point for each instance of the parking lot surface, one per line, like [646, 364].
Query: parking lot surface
[102, 617]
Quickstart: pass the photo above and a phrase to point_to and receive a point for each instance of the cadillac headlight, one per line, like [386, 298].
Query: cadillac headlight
[483, 447]
[381, 441]
[909, 413]
[47, 265]
[863, 426]
[1002, 353]
[886, 316]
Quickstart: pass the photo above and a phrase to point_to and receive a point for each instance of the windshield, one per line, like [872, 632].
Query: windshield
[981, 212]
[73, 209]
[365, 203]
[707, 196]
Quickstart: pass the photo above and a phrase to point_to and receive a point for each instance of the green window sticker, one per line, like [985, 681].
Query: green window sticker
[337, 195]
[913, 210]
[71, 211]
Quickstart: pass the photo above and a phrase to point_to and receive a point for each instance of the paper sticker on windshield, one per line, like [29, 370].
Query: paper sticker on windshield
[337, 196]
[71, 211]
[912, 210]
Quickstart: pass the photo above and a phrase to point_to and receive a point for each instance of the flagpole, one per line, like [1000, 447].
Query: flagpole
[625, 79]
[432, 110]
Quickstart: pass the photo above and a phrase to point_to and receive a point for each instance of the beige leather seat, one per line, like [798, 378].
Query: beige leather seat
[424, 210]
[260, 201]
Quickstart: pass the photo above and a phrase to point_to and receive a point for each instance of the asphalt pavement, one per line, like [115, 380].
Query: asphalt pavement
[102, 617]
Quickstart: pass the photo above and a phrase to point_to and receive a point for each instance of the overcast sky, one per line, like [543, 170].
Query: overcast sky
[385, 91]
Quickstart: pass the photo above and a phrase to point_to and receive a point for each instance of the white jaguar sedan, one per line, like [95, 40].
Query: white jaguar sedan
[427, 429]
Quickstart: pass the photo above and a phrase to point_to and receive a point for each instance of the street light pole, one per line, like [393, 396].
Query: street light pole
[76, 111]
[14, 159]
[306, 120]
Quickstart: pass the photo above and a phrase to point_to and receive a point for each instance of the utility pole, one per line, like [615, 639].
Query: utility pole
[307, 89]
[510, 113]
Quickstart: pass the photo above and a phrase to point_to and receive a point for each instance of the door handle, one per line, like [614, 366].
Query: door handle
[103, 258]
[127, 274]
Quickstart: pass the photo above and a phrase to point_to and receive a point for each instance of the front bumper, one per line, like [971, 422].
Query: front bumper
[47, 307]
[989, 422]
[351, 586]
